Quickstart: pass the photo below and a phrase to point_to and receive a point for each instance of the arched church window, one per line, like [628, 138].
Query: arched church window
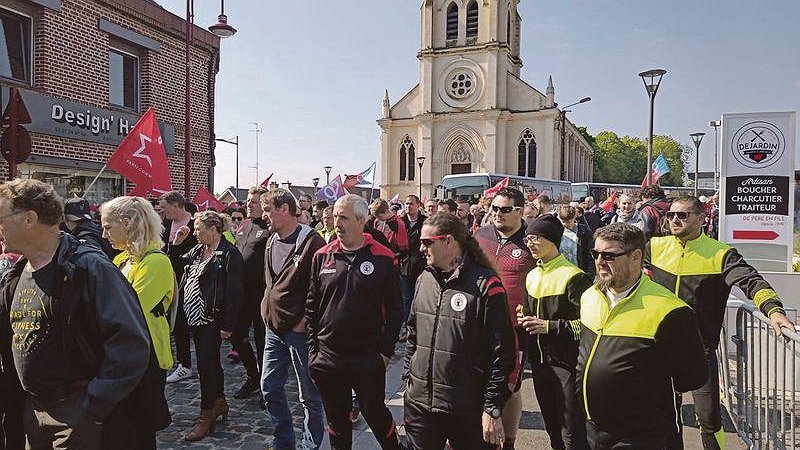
[407, 159]
[452, 21]
[526, 153]
[472, 19]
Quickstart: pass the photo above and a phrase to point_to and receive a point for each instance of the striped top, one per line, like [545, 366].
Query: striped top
[193, 303]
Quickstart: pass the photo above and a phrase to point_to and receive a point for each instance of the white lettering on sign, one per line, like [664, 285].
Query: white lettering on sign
[85, 120]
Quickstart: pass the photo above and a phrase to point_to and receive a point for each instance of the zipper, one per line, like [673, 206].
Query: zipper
[586, 373]
[539, 336]
[433, 349]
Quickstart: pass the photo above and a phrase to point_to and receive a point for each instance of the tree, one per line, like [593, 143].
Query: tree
[623, 159]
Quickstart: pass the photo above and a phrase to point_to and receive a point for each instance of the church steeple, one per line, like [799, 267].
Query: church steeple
[550, 94]
[386, 112]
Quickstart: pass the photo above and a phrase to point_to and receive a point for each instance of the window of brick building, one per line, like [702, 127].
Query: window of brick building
[123, 79]
[15, 46]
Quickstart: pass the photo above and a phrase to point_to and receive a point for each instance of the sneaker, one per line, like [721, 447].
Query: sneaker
[180, 373]
[355, 411]
[248, 388]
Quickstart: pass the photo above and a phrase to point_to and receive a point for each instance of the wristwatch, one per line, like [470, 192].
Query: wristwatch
[494, 412]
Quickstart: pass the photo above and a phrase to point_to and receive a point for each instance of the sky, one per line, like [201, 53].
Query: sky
[313, 73]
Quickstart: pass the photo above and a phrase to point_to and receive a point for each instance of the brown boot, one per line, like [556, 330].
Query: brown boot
[202, 426]
[221, 408]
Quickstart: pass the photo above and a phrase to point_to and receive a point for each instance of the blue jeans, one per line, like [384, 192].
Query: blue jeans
[281, 350]
[407, 285]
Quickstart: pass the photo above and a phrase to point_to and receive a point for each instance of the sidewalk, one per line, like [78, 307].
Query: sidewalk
[248, 427]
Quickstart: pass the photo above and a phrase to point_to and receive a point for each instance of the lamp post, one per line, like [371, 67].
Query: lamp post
[563, 120]
[697, 138]
[223, 30]
[420, 162]
[716, 124]
[257, 131]
[315, 181]
[651, 79]
[235, 142]
[327, 174]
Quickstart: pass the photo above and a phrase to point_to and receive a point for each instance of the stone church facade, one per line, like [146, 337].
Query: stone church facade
[471, 111]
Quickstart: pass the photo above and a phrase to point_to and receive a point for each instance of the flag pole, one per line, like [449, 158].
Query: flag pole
[372, 186]
[94, 181]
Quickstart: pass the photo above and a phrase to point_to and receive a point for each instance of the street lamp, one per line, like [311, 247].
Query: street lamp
[697, 138]
[716, 124]
[257, 131]
[223, 30]
[563, 120]
[235, 142]
[315, 180]
[327, 174]
[651, 79]
[421, 162]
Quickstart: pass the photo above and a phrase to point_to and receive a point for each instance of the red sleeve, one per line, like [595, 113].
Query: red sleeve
[402, 236]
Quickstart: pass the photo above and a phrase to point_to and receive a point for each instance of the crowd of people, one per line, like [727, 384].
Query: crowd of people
[615, 308]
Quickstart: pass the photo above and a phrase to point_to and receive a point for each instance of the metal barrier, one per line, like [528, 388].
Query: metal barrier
[761, 391]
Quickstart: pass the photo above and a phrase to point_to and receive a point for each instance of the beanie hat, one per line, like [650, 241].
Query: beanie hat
[547, 226]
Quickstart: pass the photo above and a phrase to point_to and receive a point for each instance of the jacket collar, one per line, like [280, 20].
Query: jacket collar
[555, 262]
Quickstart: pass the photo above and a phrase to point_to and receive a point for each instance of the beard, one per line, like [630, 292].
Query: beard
[603, 284]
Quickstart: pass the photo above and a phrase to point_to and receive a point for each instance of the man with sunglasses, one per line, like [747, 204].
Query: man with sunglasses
[552, 317]
[702, 270]
[460, 346]
[639, 343]
[503, 242]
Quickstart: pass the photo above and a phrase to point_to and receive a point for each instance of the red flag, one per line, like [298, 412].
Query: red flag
[141, 157]
[362, 179]
[492, 191]
[205, 200]
[609, 202]
[265, 183]
[138, 191]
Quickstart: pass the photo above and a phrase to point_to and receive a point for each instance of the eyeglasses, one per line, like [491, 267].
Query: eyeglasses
[3, 218]
[237, 219]
[535, 238]
[503, 209]
[608, 256]
[681, 215]
[427, 242]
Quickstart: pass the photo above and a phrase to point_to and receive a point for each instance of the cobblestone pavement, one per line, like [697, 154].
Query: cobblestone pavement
[249, 428]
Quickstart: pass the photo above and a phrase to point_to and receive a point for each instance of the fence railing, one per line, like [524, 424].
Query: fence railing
[760, 385]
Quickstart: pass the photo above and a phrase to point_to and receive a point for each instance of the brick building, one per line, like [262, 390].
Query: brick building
[86, 70]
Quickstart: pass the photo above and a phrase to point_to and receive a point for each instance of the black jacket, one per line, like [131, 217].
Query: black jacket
[92, 234]
[554, 294]
[413, 262]
[109, 341]
[460, 347]
[251, 240]
[354, 310]
[634, 356]
[701, 273]
[220, 282]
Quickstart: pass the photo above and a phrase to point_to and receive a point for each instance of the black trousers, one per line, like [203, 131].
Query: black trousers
[706, 408]
[12, 432]
[426, 430]
[180, 333]
[206, 346]
[562, 411]
[603, 440]
[368, 380]
[250, 316]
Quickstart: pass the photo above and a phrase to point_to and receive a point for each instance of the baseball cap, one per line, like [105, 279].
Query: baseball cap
[76, 209]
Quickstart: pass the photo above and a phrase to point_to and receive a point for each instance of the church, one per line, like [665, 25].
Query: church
[471, 111]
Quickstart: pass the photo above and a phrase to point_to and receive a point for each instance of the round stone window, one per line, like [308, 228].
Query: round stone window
[461, 84]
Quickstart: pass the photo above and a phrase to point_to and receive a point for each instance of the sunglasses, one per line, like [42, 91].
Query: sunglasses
[427, 242]
[237, 219]
[503, 209]
[608, 256]
[681, 215]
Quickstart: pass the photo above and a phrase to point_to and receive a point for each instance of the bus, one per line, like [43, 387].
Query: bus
[470, 186]
[601, 191]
